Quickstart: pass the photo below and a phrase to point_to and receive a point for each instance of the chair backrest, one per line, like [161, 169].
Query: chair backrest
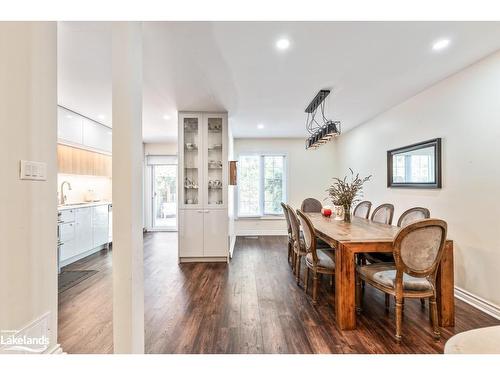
[309, 235]
[287, 218]
[418, 247]
[362, 209]
[294, 223]
[383, 214]
[412, 215]
[311, 205]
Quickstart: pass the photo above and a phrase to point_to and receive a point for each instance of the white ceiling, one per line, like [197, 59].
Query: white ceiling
[234, 66]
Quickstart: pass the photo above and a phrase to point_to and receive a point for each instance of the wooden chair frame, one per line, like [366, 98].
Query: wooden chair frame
[315, 268]
[398, 292]
[298, 250]
[359, 205]
[313, 201]
[425, 211]
[382, 206]
[290, 238]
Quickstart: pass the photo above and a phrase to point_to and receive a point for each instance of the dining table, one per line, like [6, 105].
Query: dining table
[364, 236]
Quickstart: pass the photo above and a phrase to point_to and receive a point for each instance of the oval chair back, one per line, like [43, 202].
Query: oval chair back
[383, 214]
[311, 205]
[418, 249]
[309, 235]
[287, 218]
[362, 210]
[294, 223]
[412, 215]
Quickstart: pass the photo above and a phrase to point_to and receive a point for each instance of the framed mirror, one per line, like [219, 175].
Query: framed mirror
[415, 166]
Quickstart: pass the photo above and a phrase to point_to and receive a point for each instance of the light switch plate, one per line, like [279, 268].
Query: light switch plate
[32, 170]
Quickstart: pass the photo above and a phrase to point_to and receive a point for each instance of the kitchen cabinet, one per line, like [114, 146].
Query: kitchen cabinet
[100, 225]
[84, 227]
[203, 175]
[82, 231]
[76, 130]
[96, 135]
[72, 160]
[190, 233]
[69, 126]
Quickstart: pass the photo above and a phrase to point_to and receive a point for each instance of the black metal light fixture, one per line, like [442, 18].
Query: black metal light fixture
[323, 131]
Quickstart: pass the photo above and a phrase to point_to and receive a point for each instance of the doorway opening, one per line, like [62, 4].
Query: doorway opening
[164, 197]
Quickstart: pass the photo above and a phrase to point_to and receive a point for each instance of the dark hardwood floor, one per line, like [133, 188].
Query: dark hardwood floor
[251, 305]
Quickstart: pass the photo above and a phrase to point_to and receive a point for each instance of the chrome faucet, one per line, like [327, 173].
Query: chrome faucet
[63, 196]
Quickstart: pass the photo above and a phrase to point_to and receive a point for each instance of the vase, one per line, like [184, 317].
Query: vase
[347, 214]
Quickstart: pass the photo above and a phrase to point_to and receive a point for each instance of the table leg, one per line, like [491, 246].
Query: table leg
[345, 275]
[445, 288]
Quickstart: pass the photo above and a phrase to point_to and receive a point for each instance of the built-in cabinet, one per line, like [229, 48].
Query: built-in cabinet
[203, 179]
[73, 160]
[77, 130]
[82, 231]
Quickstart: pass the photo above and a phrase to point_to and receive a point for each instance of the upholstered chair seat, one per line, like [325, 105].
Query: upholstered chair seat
[384, 274]
[325, 260]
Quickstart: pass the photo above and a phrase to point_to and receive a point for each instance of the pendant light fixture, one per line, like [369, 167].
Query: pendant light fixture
[323, 131]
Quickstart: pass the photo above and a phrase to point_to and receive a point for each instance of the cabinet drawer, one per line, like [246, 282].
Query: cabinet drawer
[66, 232]
[67, 216]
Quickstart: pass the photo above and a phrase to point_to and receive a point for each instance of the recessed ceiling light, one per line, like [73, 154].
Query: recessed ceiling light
[440, 44]
[260, 126]
[282, 44]
[166, 117]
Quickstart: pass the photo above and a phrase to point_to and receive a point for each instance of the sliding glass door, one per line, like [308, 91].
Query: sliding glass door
[164, 197]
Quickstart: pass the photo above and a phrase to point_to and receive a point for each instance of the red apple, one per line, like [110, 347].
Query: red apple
[326, 212]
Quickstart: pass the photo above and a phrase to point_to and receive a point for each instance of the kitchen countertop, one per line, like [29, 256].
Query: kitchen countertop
[82, 205]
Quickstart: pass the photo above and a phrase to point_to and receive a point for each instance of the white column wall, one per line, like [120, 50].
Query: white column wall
[28, 217]
[128, 280]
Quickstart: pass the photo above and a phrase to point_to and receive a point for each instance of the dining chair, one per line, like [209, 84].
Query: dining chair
[383, 214]
[362, 210]
[413, 214]
[417, 251]
[320, 262]
[289, 229]
[298, 243]
[311, 205]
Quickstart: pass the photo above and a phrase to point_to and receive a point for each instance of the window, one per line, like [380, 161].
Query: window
[261, 185]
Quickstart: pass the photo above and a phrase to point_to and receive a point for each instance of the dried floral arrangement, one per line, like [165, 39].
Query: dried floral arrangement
[347, 192]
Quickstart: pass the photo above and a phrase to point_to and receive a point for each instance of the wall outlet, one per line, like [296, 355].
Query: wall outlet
[32, 170]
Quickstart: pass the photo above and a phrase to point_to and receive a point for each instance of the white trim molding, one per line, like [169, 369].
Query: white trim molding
[262, 232]
[478, 302]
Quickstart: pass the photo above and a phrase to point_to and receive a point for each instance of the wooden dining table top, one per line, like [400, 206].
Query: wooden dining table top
[358, 230]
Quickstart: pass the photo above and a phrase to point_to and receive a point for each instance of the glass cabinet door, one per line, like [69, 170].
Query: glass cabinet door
[192, 139]
[215, 161]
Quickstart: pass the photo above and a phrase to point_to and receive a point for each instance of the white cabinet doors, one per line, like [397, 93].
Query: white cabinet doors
[100, 225]
[67, 238]
[83, 231]
[96, 135]
[190, 161]
[215, 236]
[191, 233]
[215, 163]
[69, 126]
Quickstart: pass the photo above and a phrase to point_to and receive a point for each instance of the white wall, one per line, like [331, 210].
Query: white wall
[80, 184]
[28, 218]
[309, 175]
[465, 111]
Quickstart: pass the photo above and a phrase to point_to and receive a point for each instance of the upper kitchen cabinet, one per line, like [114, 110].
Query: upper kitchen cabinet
[79, 131]
[69, 126]
[96, 135]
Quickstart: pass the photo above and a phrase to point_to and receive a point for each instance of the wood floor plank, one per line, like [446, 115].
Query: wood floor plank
[252, 305]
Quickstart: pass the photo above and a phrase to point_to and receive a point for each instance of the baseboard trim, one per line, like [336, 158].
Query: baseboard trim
[203, 259]
[261, 232]
[478, 302]
[56, 349]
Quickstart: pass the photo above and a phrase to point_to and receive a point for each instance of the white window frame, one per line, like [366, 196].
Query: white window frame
[261, 186]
